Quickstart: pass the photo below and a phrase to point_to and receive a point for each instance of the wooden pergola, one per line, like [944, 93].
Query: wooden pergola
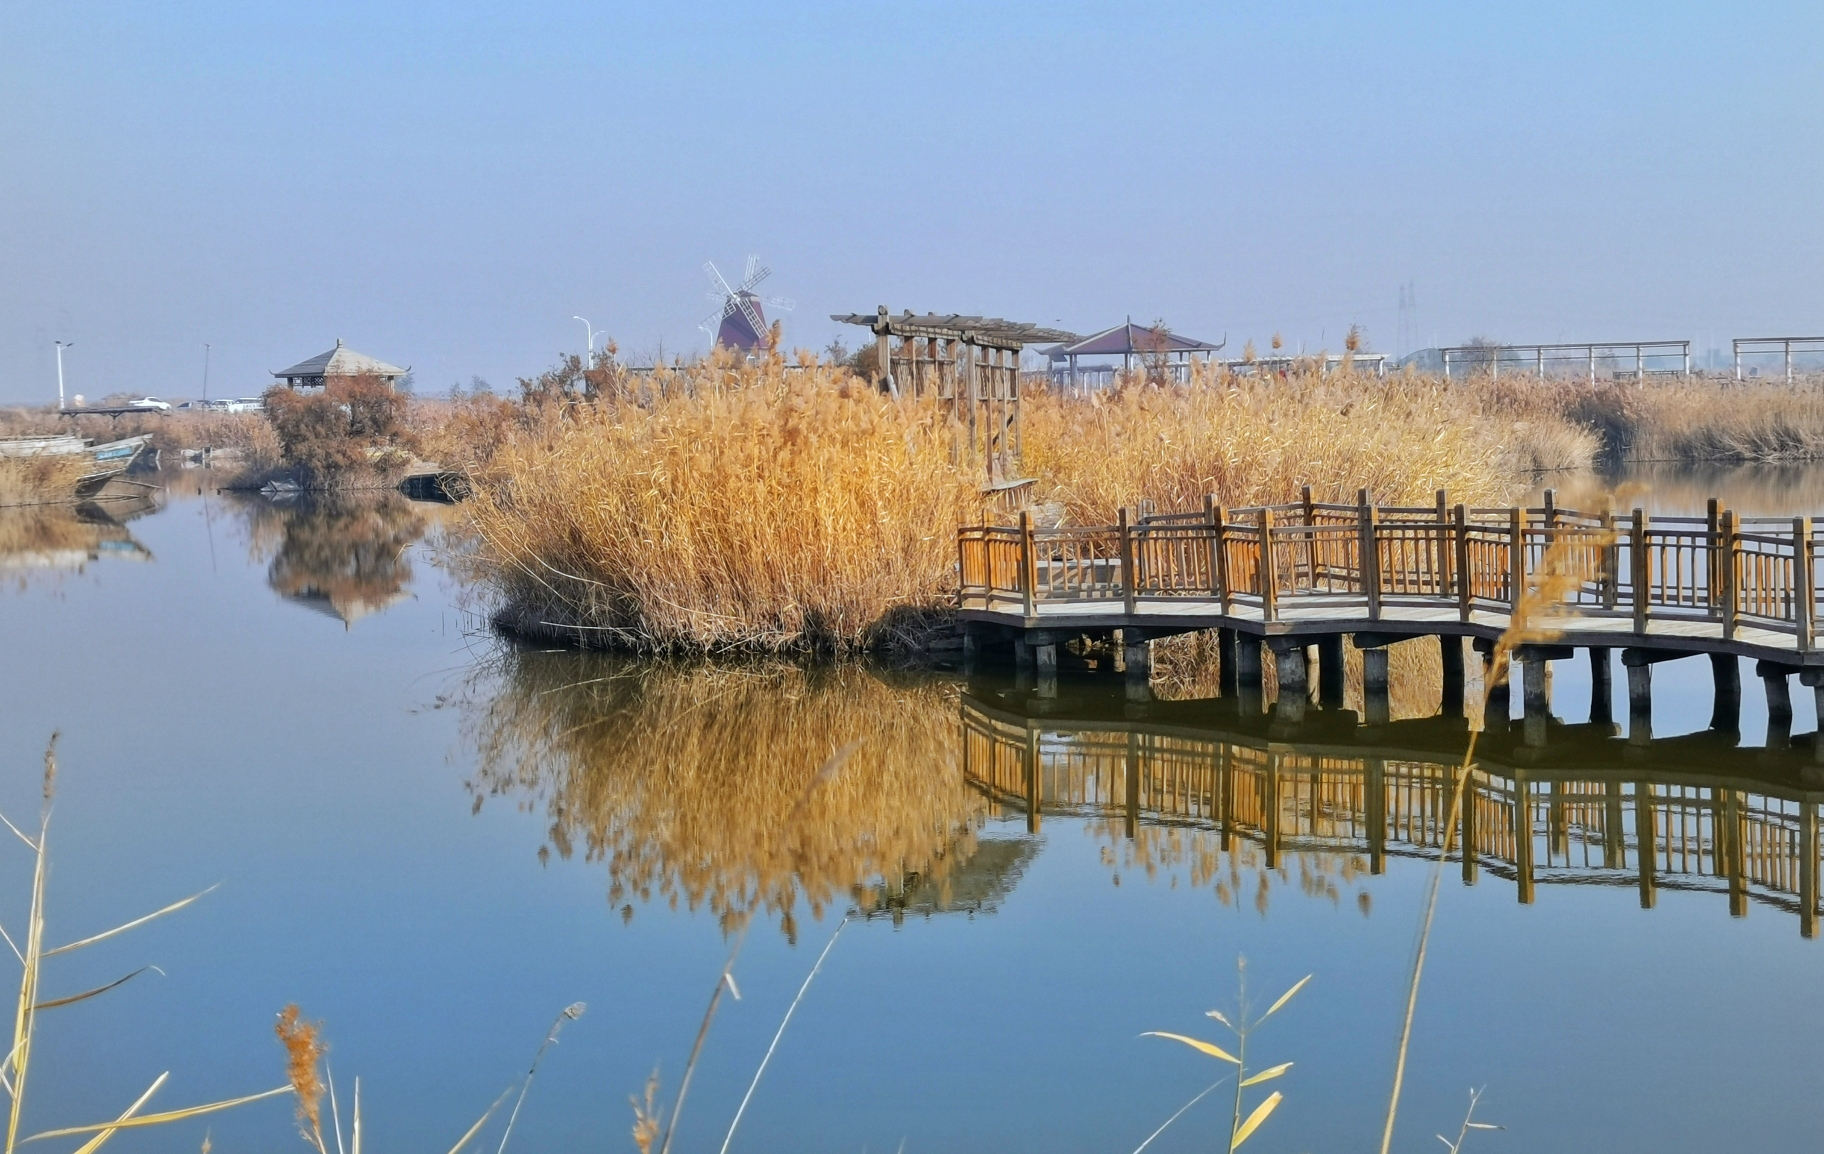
[971, 363]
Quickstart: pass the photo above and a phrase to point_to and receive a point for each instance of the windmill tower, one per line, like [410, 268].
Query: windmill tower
[738, 322]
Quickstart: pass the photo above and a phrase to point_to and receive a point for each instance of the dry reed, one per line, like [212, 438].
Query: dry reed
[41, 479]
[744, 508]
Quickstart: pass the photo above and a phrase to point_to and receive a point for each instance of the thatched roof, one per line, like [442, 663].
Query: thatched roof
[341, 361]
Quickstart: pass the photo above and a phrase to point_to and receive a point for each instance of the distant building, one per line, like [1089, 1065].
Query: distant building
[338, 362]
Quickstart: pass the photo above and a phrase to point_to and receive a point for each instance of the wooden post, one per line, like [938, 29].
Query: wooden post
[1641, 562]
[1611, 559]
[1269, 578]
[1029, 566]
[1226, 680]
[1127, 564]
[1369, 519]
[1516, 560]
[1450, 656]
[1221, 559]
[1726, 700]
[1446, 556]
[1209, 526]
[1713, 524]
[1466, 585]
[1602, 692]
[883, 349]
[1375, 705]
[1804, 582]
[1728, 544]
[1375, 770]
[1330, 684]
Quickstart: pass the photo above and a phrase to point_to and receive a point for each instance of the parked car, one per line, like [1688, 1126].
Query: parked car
[152, 403]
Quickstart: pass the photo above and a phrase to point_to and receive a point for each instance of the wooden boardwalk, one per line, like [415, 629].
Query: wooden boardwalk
[1288, 576]
[1691, 814]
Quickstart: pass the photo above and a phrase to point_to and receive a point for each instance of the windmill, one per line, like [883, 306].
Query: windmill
[738, 322]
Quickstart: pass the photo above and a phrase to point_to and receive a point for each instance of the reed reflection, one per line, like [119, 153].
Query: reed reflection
[53, 539]
[680, 779]
[340, 554]
[1207, 785]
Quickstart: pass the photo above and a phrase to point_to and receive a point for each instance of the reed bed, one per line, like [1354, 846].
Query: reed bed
[1732, 423]
[40, 480]
[1251, 441]
[745, 507]
[683, 779]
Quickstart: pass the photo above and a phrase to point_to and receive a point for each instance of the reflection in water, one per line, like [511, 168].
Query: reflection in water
[1689, 813]
[681, 780]
[341, 554]
[1771, 490]
[53, 538]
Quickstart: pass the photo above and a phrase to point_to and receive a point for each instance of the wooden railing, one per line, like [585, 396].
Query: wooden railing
[1721, 568]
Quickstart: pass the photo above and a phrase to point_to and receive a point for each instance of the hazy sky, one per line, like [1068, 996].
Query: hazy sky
[445, 185]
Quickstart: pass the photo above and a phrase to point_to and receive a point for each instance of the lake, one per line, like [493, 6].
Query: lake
[434, 841]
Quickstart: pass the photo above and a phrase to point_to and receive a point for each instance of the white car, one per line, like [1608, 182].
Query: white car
[152, 403]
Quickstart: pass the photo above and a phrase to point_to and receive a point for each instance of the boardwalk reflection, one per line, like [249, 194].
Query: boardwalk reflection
[682, 780]
[1688, 813]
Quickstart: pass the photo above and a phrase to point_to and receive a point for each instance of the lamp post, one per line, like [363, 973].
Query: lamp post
[205, 371]
[588, 358]
[61, 345]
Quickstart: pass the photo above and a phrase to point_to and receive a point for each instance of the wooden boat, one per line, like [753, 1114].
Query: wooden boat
[107, 460]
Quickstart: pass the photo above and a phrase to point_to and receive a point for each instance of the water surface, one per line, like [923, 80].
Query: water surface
[434, 842]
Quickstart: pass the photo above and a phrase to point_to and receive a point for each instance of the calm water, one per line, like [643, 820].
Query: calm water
[434, 843]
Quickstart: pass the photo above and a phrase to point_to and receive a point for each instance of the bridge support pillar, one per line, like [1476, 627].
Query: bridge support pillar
[1023, 663]
[972, 647]
[1639, 664]
[1726, 712]
[1779, 701]
[1330, 679]
[1138, 652]
[1376, 804]
[1045, 662]
[1376, 707]
[1495, 710]
[1248, 681]
[1227, 682]
[1450, 702]
[1294, 680]
[1602, 692]
[1814, 677]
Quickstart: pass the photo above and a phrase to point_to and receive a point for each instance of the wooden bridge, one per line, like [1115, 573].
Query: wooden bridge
[1305, 575]
[1686, 813]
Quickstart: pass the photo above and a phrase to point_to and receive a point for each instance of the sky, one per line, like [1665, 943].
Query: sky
[447, 185]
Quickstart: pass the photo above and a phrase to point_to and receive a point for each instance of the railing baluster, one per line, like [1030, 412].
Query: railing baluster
[1465, 575]
[1128, 597]
[1269, 576]
[1029, 565]
[1804, 581]
[1369, 517]
[1727, 545]
[1516, 558]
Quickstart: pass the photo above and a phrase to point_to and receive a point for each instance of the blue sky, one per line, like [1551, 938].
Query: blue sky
[446, 185]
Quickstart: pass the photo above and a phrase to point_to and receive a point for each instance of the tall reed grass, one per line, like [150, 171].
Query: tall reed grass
[745, 507]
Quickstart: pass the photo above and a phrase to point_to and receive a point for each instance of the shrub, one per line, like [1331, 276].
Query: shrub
[353, 427]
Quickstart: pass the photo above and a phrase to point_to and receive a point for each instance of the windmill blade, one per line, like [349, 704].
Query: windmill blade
[784, 304]
[715, 275]
[756, 272]
[746, 301]
[753, 262]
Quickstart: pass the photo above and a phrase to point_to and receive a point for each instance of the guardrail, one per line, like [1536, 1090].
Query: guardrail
[1720, 568]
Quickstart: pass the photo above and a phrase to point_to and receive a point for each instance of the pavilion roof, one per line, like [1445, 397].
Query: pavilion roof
[958, 326]
[341, 361]
[1131, 338]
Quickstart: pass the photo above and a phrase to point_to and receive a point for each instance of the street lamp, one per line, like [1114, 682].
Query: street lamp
[61, 345]
[205, 371]
[589, 359]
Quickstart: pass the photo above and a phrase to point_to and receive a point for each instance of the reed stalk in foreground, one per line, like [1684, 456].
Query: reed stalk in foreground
[17, 1065]
[1240, 1129]
[1554, 580]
